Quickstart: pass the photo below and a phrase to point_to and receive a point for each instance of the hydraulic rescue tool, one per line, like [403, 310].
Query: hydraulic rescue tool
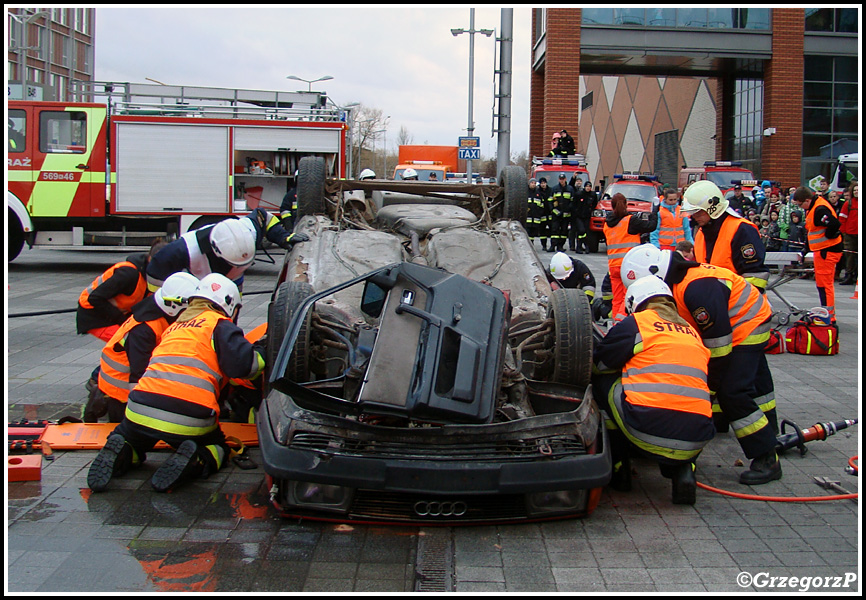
[818, 431]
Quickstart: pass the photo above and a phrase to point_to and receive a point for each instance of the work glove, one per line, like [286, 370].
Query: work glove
[293, 239]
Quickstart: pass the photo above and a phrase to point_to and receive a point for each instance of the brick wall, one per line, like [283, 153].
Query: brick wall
[783, 98]
[561, 99]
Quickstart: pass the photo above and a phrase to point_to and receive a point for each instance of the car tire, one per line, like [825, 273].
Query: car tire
[287, 299]
[515, 188]
[572, 341]
[16, 236]
[311, 186]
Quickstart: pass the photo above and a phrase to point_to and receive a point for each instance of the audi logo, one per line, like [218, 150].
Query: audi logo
[440, 509]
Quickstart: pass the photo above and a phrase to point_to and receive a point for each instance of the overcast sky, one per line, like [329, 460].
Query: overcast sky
[402, 59]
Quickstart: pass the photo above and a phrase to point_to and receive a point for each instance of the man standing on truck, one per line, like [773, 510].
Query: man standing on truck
[562, 198]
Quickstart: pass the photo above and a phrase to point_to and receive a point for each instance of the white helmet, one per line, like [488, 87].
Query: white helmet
[233, 242]
[643, 289]
[220, 290]
[367, 174]
[410, 173]
[705, 195]
[644, 260]
[561, 265]
[175, 292]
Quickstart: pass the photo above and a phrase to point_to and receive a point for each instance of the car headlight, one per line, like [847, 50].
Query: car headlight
[319, 496]
[598, 213]
[544, 503]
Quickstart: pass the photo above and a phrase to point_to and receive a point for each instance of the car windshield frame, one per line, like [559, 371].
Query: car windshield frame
[642, 192]
[723, 179]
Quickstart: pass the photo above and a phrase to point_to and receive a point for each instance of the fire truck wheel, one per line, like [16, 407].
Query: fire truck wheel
[289, 296]
[571, 341]
[16, 236]
[311, 186]
[515, 189]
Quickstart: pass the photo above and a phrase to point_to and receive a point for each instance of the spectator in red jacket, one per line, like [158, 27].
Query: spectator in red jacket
[850, 229]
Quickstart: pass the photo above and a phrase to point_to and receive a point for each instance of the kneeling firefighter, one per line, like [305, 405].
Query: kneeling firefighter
[176, 400]
[651, 370]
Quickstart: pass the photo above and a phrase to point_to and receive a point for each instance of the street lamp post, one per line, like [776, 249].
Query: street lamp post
[472, 31]
[309, 82]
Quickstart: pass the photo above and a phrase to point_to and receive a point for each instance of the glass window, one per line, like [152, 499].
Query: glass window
[754, 18]
[846, 20]
[819, 19]
[846, 69]
[818, 68]
[721, 17]
[597, 16]
[662, 17]
[628, 16]
[691, 17]
[818, 94]
[844, 121]
[62, 132]
[17, 125]
[816, 119]
[845, 95]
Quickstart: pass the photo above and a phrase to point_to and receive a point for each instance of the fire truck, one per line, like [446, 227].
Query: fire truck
[126, 163]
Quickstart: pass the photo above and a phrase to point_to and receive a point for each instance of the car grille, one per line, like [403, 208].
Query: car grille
[560, 446]
[416, 508]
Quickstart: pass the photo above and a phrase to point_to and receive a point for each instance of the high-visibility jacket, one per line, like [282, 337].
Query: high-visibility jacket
[722, 255]
[123, 302]
[184, 365]
[816, 232]
[670, 228]
[618, 242]
[663, 405]
[748, 310]
[114, 369]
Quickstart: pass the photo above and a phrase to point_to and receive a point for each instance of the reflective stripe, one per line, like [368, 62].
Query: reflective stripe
[186, 361]
[666, 368]
[749, 424]
[191, 380]
[169, 422]
[719, 342]
[117, 366]
[767, 402]
[664, 388]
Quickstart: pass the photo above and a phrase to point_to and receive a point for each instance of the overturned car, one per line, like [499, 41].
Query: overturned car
[422, 368]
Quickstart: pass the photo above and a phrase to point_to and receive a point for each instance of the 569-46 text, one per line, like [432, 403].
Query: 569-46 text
[58, 176]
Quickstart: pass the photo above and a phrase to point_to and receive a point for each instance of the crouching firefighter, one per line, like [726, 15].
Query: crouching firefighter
[651, 369]
[127, 354]
[176, 400]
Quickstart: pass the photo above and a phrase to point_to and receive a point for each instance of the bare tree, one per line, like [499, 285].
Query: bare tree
[522, 159]
[367, 129]
[404, 138]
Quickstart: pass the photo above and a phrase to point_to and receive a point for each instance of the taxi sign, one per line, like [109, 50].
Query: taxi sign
[469, 148]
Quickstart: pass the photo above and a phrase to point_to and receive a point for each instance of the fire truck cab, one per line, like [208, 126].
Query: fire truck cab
[148, 162]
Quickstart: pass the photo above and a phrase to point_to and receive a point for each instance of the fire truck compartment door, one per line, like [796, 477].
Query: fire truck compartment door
[182, 168]
[296, 139]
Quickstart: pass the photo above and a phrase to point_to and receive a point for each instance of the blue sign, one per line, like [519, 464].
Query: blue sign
[469, 153]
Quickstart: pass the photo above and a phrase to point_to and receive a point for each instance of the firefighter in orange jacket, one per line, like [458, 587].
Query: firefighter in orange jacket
[825, 242]
[127, 354]
[177, 398]
[727, 240]
[733, 319]
[657, 392]
[107, 302]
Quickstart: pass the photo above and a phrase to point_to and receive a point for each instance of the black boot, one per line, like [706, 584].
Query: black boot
[183, 465]
[684, 486]
[620, 480]
[115, 458]
[764, 469]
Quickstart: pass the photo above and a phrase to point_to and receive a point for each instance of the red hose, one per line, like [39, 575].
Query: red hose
[777, 498]
[851, 463]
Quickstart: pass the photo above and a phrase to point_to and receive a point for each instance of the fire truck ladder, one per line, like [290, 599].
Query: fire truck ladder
[189, 101]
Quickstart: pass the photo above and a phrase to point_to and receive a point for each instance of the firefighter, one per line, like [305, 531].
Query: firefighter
[733, 319]
[542, 193]
[822, 229]
[561, 198]
[289, 205]
[622, 232]
[651, 368]
[572, 273]
[227, 248]
[106, 302]
[728, 240]
[176, 400]
[127, 353]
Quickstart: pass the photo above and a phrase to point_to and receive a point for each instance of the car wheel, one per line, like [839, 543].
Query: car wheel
[572, 341]
[515, 187]
[16, 236]
[288, 298]
[311, 186]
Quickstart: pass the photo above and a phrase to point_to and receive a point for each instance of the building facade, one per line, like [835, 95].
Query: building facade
[48, 48]
[654, 89]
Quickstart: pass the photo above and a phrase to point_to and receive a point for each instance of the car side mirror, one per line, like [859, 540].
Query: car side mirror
[373, 300]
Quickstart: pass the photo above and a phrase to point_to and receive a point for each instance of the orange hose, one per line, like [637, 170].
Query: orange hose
[852, 465]
[777, 498]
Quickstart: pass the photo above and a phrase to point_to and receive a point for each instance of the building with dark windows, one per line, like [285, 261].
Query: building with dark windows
[653, 89]
[48, 48]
